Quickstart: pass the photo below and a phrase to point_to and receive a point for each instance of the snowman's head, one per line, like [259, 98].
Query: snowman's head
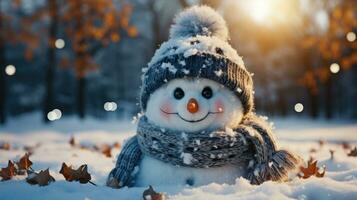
[194, 104]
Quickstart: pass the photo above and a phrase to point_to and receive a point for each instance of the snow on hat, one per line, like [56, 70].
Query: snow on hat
[198, 48]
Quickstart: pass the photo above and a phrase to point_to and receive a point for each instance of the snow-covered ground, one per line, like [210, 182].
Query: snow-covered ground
[298, 134]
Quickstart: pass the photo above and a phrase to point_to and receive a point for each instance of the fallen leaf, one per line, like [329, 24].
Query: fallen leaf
[81, 174]
[313, 150]
[151, 194]
[332, 152]
[5, 146]
[322, 142]
[25, 162]
[311, 160]
[346, 145]
[72, 141]
[30, 149]
[117, 145]
[311, 170]
[8, 172]
[353, 152]
[42, 178]
[105, 149]
[23, 165]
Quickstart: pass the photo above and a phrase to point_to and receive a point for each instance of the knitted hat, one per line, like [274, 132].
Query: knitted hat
[198, 48]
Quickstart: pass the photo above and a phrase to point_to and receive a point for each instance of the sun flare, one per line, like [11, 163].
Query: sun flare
[259, 10]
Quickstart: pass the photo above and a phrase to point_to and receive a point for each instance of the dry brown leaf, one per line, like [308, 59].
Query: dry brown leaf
[332, 152]
[353, 152]
[5, 146]
[322, 142]
[72, 141]
[151, 194]
[25, 162]
[23, 165]
[105, 149]
[313, 150]
[81, 174]
[8, 172]
[117, 145]
[42, 178]
[346, 145]
[311, 170]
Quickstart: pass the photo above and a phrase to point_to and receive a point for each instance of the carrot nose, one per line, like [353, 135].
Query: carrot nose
[192, 106]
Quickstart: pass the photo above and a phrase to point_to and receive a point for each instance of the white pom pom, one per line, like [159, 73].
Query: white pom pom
[199, 20]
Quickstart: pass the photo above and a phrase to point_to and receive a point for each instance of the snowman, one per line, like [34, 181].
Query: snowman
[198, 125]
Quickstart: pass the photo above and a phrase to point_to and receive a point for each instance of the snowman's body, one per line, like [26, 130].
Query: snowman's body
[197, 83]
[155, 172]
[190, 105]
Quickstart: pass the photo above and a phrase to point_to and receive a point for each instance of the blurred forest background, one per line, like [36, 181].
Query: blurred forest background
[84, 57]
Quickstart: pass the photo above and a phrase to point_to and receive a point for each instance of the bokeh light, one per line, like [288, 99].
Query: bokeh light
[299, 107]
[110, 106]
[55, 114]
[351, 36]
[60, 43]
[334, 68]
[10, 70]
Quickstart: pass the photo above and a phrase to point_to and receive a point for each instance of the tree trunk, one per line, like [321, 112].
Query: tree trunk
[81, 104]
[51, 60]
[312, 94]
[328, 98]
[2, 75]
[282, 102]
[314, 104]
[155, 25]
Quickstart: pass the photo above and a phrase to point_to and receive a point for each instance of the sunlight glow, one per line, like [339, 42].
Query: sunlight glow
[270, 12]
[259, 9]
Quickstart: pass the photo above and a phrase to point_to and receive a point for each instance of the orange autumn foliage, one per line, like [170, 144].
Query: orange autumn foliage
[331, 45]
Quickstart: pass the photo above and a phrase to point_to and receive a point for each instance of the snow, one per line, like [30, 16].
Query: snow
[218, 73]
[296, 134]
[170, 67]
[187, 158]
[193, 45]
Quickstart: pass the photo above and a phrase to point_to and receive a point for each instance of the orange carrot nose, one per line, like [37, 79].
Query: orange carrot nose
[192, 106]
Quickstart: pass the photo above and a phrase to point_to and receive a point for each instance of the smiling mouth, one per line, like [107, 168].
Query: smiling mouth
[191, 121]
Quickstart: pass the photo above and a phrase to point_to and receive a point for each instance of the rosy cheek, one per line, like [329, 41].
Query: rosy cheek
[218, 104]
[166, 107]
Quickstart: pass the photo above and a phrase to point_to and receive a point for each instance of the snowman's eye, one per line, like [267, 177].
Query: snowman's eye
[207, 92]
[179, 93]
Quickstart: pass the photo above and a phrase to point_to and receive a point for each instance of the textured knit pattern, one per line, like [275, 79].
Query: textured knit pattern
[254, 147]
[198, 48]
[195, 149]
[128, 159]
[200, 65]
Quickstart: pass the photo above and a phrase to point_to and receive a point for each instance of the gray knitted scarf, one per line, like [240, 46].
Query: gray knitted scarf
[250, 145]
[195, 149]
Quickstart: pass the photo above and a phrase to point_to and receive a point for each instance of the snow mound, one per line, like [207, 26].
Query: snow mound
[297, 134]
[199, 20]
